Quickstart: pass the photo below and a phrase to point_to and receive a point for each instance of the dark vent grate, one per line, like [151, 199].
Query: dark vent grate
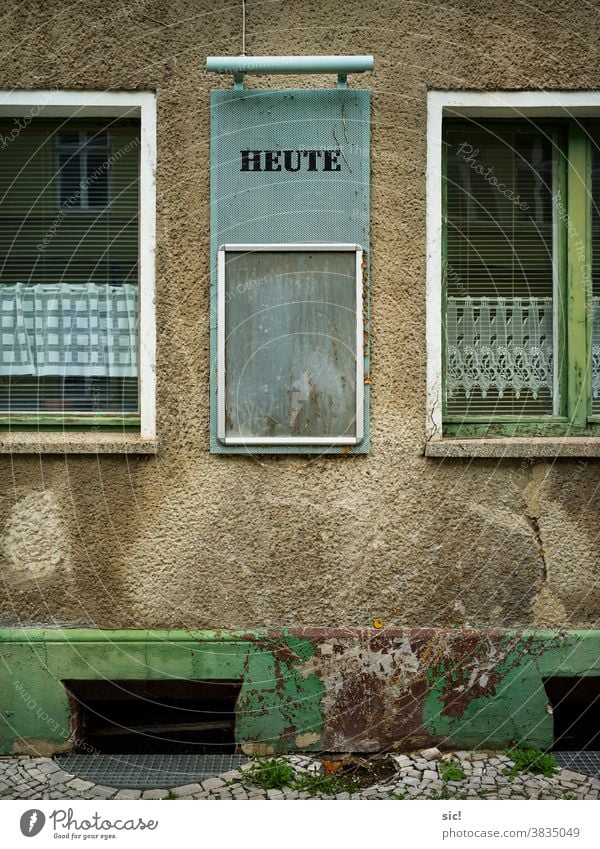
[587, 763]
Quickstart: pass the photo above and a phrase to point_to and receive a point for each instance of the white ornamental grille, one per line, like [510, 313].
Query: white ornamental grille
[499, 346]
[596, 350]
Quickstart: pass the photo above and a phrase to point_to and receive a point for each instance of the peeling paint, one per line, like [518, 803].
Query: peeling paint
[35, 543]
[308, 739]
[257, 750]
[39, 748]
[367, 691]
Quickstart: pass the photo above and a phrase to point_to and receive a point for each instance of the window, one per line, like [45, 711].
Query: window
[290, 344]
[83, 168]
[501, 274]
[76, 280]
[519, 277]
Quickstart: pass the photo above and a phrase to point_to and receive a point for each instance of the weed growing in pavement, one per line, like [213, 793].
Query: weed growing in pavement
[452, 772]
[270, 773]
[277, 773]
[443, 794]
[530, 760]
[315, 782]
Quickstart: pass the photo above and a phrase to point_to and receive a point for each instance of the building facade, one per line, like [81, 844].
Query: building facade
[433, 578]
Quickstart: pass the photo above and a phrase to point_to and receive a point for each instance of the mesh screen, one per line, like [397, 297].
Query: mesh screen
[282, 206]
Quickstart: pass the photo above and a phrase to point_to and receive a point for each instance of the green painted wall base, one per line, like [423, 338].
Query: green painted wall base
[321, 689]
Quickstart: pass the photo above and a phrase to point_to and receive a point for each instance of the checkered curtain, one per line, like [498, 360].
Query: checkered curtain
[68, 330]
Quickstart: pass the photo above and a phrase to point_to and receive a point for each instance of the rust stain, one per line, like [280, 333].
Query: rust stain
[477, 665]
[376, 682]
[374, 690]
[359, 706]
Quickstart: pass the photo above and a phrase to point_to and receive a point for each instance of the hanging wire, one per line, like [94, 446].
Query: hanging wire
[243, 27]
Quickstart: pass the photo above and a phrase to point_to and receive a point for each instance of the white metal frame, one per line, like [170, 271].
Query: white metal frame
[26, 105]
[459, 104]
[221, 337]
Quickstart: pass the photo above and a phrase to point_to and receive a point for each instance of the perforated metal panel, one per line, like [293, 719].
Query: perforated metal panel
[308, 204]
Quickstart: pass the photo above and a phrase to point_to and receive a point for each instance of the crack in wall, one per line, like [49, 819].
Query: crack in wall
[547, 609]
[537, 533]
[433, 430]
[531, 496]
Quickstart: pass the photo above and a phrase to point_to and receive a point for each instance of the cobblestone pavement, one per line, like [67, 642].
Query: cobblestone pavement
[420, 775]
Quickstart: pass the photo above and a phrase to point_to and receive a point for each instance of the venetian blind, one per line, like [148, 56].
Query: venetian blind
[595, 142]
[69, 266]
[498, 277]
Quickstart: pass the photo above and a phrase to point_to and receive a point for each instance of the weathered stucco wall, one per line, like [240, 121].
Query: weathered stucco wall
[188, 539]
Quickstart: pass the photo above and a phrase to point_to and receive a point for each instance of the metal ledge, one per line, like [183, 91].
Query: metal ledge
[560, 448]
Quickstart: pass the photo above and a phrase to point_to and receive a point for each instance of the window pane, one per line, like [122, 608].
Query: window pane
[596, 273]
[97, 139]
[290, 350]
[69, 179]
[499, 280]
[68, 394]
[97, 178]
[69, 137]
[68, 276]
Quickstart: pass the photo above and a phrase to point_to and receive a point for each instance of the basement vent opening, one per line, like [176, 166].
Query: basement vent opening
[153, 717]
[575, 706]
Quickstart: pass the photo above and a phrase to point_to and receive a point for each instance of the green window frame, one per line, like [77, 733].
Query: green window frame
[573, 142]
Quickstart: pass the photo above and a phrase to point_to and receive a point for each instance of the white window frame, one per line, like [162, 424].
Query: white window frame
[472, 104]
[221, 335]
[25, 106]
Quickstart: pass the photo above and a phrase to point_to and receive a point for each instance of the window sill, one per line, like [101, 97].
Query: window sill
[515, 446]
[70, 442]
